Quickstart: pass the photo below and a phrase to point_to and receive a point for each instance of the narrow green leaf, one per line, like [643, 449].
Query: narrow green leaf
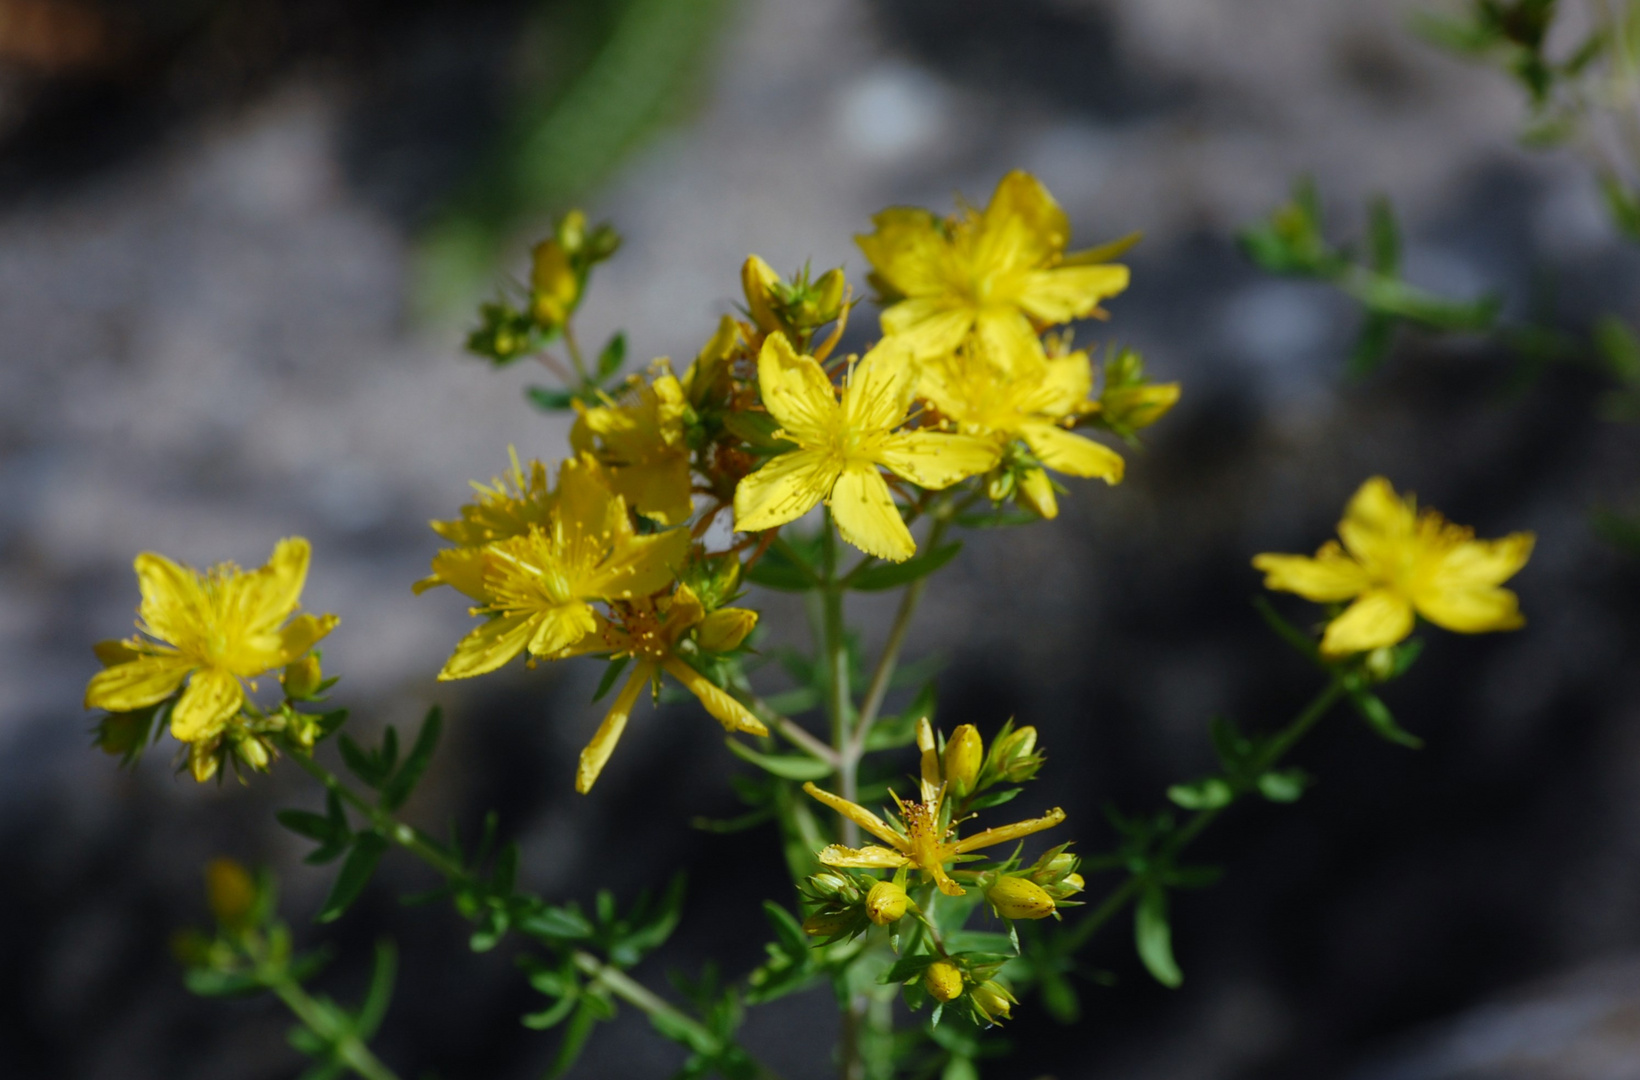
[907, 968]
[575, 1038]
[776, 570]
[1380, 719]
[549, 400]
[893, 575]
[1283, 785]
[995, 797]
[1383, 236]
[612, 357]
[303, 823]
[1060, 999]
[793, 941]
[557, 924]
[1154, 938]
[396, 790]
[380, 994]
[611, 673]
[552, 1015]
[893, 732]
[1209, 794]
[1372, 344]
[681, 1030]
[1286, 631]
[355, 874]
[360, 762]
[785, 766]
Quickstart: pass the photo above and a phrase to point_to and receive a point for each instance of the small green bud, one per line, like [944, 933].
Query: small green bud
[724, 629]
[828, 923]
[993, 1001]
[302, 678]
[1380, 664]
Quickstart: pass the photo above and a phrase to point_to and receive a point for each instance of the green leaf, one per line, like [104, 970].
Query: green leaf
[757, 430]
[907, 968]
[557, 924]
[1154, 938]
[549, 400]
[994, 798]
[1286, 631]
[776, 570]
[785, 766]
[1209, 794]
[893, 732]
[1383, 237]
[611, 673]
[380, 994]
[893, 575]
[396, 790]
[552, 1015]
[681, 1030]
[1059, 998]
[362, 763]
[1372, 344]
[793, 941]
[207, 983]
[1378, 717]
[355, 874]
[575, 1038]
[1283, 785]
[613, 356]
[303, 823]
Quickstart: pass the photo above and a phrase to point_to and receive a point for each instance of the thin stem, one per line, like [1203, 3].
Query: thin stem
[839, 701]
[573, 347]
[640, 997]
[1273, 752]
[792, 731]
[349, 1047]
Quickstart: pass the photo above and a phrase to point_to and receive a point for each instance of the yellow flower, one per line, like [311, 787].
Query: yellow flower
[215, 630]
[841, 444]
[1396, 562]
[651, 632]
[1030, 399]
[508, 506]
[641, 442]
[999, 273]
[539, 586]
[920, 841]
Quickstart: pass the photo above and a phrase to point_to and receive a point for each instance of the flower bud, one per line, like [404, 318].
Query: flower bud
[1000, 485]
[572, 231]
[707, 379]
[1073, 882]
[204, 758]
[828, 295]
[964, 753]
[828, 923]
[230, 892]
[1020, 898]
[827, 883]
[302, 678]
[1380, 664]
[1034, 491]
[993, 1001]
[1130, 408]
[253, 750]
[554, 285]
[759, 280]
[943, 980]
[886, 903]
[723, 630]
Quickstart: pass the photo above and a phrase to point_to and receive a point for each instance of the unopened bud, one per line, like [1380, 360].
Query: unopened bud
[829, 884]
[943, 980]
[230, 892]
[758, 280]
[993, 1001]
[1020, 898]
[1380, 663]
[1073, 882]
[204, 758]
[828, 923]
[1015, 758]
[302, 678]
[964, 754]
[723, 630]
[828, 294]
[554, 286]
[1130, 408]
[253, 750]
[999, 486]
[1035, 493]
[572, 231]
[886, 903]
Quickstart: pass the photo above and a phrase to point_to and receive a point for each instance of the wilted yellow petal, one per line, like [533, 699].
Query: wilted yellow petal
[858, 814]
[1004, 833]
[730, 713]
[597, 752]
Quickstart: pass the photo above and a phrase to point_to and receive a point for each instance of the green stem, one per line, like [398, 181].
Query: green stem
[834, 650]
[573, 347]
[350, 1049]
[1273, 752]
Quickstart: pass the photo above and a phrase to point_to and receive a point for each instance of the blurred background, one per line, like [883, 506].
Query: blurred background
[239, 241]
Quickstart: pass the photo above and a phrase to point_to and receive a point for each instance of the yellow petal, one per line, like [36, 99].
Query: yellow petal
[796, 391]
[730, 713]
[302, 633]
[936, 459]
[1066, 452]
[1022, 226]
[1036, 492]
[1005, 334]
[858, 814]
[174, 604]
[1475, 563]
[1471, 610]
[113, 652]
[870, 857]
[212, 698]
[879, 389]
[1004, 833]
[1062, 388]
[460, 567]
[906, 250]
[866, 515]
[659, 490]
[638, 566]
[597, 752]
[489, 646]
[929, 326]
[1331, 576]
[784, 489]
[558, 628]
[1378, 618]
[1377, 523]
[137, 683]
[264, 597]
[1070, 292]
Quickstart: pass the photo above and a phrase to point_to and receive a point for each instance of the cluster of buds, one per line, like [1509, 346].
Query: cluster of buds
[1128, 401]
[953, 979]
[1037, 891]
[559, 266]
[795, 307]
